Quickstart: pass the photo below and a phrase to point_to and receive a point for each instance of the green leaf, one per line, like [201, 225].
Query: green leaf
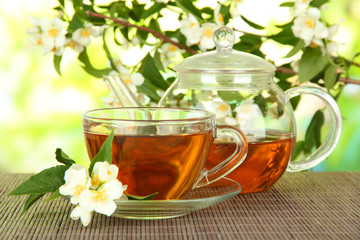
[142, 34]
[230, 96]
[313, 132]
[295, 102]
[149, 71]
[311, 64]
[63, 157]
[285, 36]
[136, 11]
[148, 197]
[298, 149]
[152, 10]
[225, 12]
[104, 153]
[154, 24]
[87, 66]
[250, 43]
[157, 61]
[107, 52]
[287, 4]
[318, 3]
[149, 90]
[32, 198]
[330, 76]
[48, 180]
[78, 7]
[300, 45]
[55, 195]
[57, 61]
[119, 9]
[62, 2]
[75, 23]
[261, 102]
[251, 24]
[189, 7]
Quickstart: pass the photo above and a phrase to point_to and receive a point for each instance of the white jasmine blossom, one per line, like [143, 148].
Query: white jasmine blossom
[230, 121]
[300, 7]
[221, 109]
[35, 32]
[80, 213]
[76, 182]
[53, 35]
[77, 47]
[308, 27]
[249, 115]
[170, 53]
[102, 200]
[95, 194]
[82, 35]
[103, 172]
[144, 99]
[190, 28]
[236, 7]
[333, 47]
[162, 1]
[219, 18]
[206, 41]
[131, 79]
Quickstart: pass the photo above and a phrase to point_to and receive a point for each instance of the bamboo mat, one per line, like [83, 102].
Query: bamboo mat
[320, 205]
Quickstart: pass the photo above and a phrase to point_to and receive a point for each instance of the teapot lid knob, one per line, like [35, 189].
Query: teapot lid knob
[224, 38]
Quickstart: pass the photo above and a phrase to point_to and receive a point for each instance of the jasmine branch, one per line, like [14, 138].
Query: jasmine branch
[341, 79]
[145, 29]
[192, 51]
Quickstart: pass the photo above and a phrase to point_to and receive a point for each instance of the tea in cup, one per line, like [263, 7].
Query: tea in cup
[162, 150]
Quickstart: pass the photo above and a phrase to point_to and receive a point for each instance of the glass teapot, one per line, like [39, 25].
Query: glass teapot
[239, 88]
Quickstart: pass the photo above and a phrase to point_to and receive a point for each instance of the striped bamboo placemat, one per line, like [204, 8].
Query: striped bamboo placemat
[311, 205]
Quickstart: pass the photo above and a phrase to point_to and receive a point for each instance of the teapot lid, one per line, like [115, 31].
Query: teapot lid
[225, 59]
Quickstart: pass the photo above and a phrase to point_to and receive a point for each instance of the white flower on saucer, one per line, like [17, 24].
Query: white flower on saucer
[76, 182]
[102, 200]
[82, 214]
[82, 35]
[53, 35]
[206, 40]
[103, 172]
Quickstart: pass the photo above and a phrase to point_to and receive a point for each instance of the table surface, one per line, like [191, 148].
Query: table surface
[305, 205]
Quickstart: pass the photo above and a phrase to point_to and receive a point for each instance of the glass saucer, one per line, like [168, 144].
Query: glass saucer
[196, 199]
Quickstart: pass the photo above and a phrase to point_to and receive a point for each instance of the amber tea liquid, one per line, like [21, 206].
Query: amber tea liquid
[168, 165]
[266, 161]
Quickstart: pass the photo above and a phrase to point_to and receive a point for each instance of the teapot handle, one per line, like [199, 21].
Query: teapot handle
[334, 132]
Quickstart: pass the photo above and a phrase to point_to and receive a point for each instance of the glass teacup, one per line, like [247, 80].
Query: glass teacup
[162, 150]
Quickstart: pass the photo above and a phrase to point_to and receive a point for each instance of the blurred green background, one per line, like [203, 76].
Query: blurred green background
[41, 111]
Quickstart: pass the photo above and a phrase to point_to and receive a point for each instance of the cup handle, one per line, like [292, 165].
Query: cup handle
[229, 164]
[334, 133]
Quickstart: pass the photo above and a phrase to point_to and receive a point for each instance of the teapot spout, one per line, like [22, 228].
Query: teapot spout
[122, 92]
